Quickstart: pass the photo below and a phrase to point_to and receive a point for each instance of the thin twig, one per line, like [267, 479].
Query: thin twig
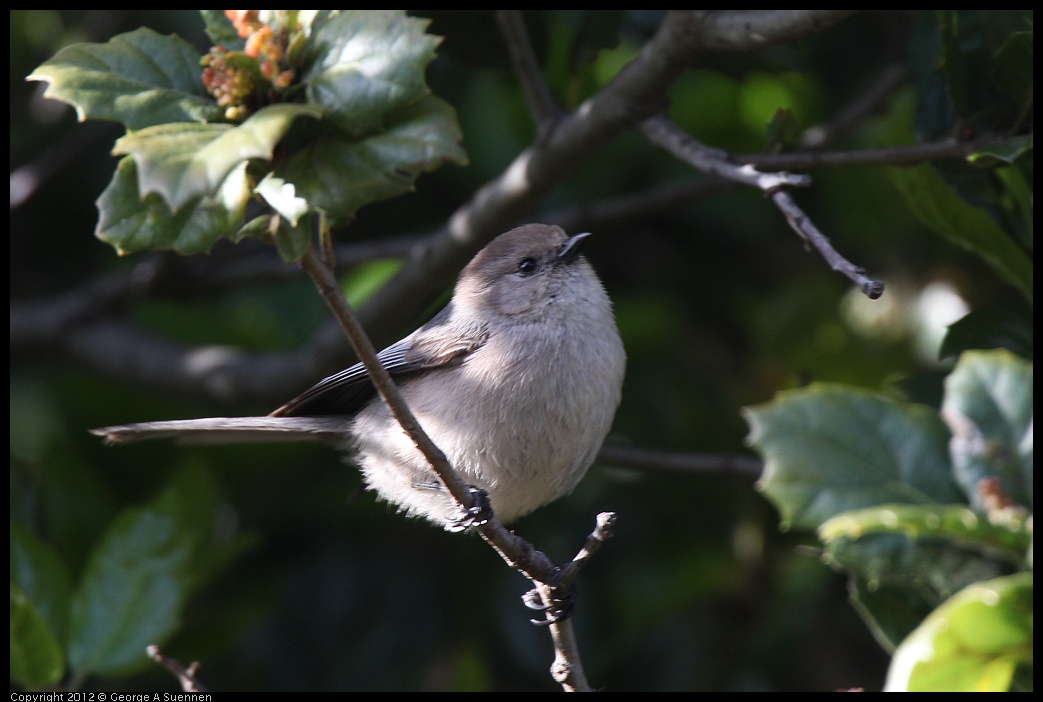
[850, 115]
[597, 538]
[516, 551]
[643, 458]
[186, 677]
[330, 291]
[537, 94]
[907, 155]
[666, 135]
[803, 225]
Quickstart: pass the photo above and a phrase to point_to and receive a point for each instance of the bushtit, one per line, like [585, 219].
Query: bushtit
[516, 380]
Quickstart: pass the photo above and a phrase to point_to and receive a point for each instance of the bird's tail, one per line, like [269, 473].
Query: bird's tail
[231, 430]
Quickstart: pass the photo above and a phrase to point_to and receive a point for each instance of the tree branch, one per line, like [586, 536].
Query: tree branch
[430, 261]
[664, 134]
[643, 458]
[633, 94]
[537, 95]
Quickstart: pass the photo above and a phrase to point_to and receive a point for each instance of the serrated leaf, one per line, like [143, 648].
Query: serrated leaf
[131, 223]
[936, 205]
[829, 449]
[971, 643]
[36, 656]
[184, 161]
[935, 568]
[131, 594]
[988, 407]
[340, 174]
[139, 78]
[362, 64]
[1008, 540]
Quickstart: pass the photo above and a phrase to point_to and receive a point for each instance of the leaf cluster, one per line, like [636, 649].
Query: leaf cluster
[187, 176]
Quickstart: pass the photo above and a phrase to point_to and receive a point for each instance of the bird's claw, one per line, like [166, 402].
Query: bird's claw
[480, 512]
[562, 604]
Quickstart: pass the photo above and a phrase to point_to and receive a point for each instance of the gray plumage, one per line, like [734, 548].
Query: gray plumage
[516, 381]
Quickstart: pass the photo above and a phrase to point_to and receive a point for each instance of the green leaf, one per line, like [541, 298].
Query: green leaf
[291, 241]
[41, 577]
[900, 580]
[183, 161]
[339, 174]
[140, 78]
[131, 594]
[941, 209]
[890, 610]
[36, 656]
[828, 449]
[362, 64]
[986, 328]
[131, 223]
[1002, 152]
[971, 643]
[1007, 540]
[988, 407]
[220, 30]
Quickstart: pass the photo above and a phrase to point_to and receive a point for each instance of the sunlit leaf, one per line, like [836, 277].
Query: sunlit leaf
[282, 197]
[971, 643]
[340, 174]
[131, 223]
[956, 524]
[183, 161]
[140, 78]
[361, 64]
[828, 449]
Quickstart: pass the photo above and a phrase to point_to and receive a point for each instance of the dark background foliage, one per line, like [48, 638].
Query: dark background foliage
[312, 585]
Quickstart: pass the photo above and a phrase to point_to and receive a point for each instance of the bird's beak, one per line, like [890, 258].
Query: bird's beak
[571, 248]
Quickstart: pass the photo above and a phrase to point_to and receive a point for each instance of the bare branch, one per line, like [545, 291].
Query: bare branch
[748, 30]
[643, 458]
[330, 291]
[667, 136]
[887, 156]
[864, 104]
[537, 95]
[186, 677]
[803, 225]
[633, 94]
[663, 133]
[515, 550]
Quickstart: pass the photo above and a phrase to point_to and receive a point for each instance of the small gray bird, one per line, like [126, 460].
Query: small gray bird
[516, 380]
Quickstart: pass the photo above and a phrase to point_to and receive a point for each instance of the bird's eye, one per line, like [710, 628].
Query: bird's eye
[527, 266]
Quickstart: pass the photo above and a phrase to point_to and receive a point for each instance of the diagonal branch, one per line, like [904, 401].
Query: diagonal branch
[667, 136]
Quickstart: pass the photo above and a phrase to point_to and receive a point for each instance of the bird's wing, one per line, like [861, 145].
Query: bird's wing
[427, 348]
